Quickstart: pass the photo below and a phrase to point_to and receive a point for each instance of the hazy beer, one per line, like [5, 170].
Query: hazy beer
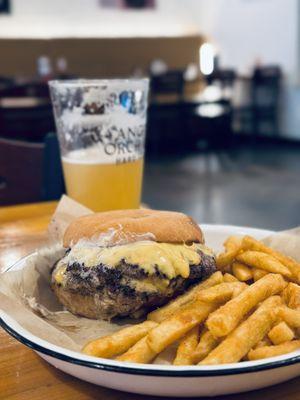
[101, 132]
[104, 186]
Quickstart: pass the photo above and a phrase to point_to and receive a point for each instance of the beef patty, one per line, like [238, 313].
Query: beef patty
[125, 290]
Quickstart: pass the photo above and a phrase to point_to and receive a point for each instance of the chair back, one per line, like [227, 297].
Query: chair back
[226, 77]
[6, 82]
[21, 171]
[169, 84]
[53, 175]
[28, 122]
[266, 86]
[31, 89]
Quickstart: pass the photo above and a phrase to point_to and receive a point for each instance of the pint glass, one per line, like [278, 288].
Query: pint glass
[101, 131]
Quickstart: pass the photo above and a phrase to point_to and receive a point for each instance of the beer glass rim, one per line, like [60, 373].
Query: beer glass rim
[98, 82]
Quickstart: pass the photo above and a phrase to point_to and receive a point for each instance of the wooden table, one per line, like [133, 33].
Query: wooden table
[23, 375]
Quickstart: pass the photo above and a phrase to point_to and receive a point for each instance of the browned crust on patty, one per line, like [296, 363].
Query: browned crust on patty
[166, 226]
[85, 306]
[104, 293]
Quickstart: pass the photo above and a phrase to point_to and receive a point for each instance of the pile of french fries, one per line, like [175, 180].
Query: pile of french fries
[248, 310]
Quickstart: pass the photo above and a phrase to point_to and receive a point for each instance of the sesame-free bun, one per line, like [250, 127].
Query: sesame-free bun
[165, 226]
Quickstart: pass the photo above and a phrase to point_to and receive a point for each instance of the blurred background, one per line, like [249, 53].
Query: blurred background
[223, 134]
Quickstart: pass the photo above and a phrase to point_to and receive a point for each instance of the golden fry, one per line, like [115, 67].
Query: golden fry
[281, 333]
[171, 308]
[249, 243]
[264, 342]
[179, 324]
[246, 336]
[186, 348]
[118, 342]
[206, 344]
[226, 318]
[141, 353]
[291, 296]
[238, 289]
[232, 246]
[291, 317]
[264, 261]
[221, 293]
[241, 272]
[229, 278]
[225, 259]
[258, 274]
[273, 351]
[233, 243]
[231, 332]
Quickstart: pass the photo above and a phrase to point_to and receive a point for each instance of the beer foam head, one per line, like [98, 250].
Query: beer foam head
[91, 155]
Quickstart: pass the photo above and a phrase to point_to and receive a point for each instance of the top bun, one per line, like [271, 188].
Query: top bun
[165, 226]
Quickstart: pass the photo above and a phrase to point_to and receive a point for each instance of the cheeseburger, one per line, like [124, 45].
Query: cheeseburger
[127, 262]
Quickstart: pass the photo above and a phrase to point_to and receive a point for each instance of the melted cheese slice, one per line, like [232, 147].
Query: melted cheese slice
[170, 259]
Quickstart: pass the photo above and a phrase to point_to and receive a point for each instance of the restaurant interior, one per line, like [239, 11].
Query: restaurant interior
[200, 303]
[223, 137]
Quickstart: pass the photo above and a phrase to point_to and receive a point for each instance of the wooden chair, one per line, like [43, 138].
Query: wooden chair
[26, 112]
[21, 171]
[266, 98]
[226, 77]
[30, 172]
[30, 89]
[167, 88]
[30, 123]
[5, 82]
[53, 186]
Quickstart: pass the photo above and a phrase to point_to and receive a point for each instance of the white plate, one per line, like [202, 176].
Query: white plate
[164, 380]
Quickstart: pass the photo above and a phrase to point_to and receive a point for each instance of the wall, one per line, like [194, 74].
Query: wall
[96, 41]
[98, 57]
[242, 30]
[248, 30]
[85, 18]
[266, 31]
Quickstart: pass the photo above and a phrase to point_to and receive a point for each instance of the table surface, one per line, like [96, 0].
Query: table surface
[26, 376]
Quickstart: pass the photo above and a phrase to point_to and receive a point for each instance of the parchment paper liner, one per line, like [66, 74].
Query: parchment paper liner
[26, 296]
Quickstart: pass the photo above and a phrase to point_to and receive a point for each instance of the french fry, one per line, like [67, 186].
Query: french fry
[221, 293]
[232, 246]
[233, 242]
[206, 344]
[291, 295]
[250, 243]
[168, 310]
[226, 318]
[179, 324]
[291, 317]
[258, 273]
[141, 353]
[241, 272]
[264, 342]
[263, 261]
[256, 320]
[238, 289]
[229, 278]
[273, 351]
[239, 342]
[281, 333]
[119, 342]
[186, 348]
